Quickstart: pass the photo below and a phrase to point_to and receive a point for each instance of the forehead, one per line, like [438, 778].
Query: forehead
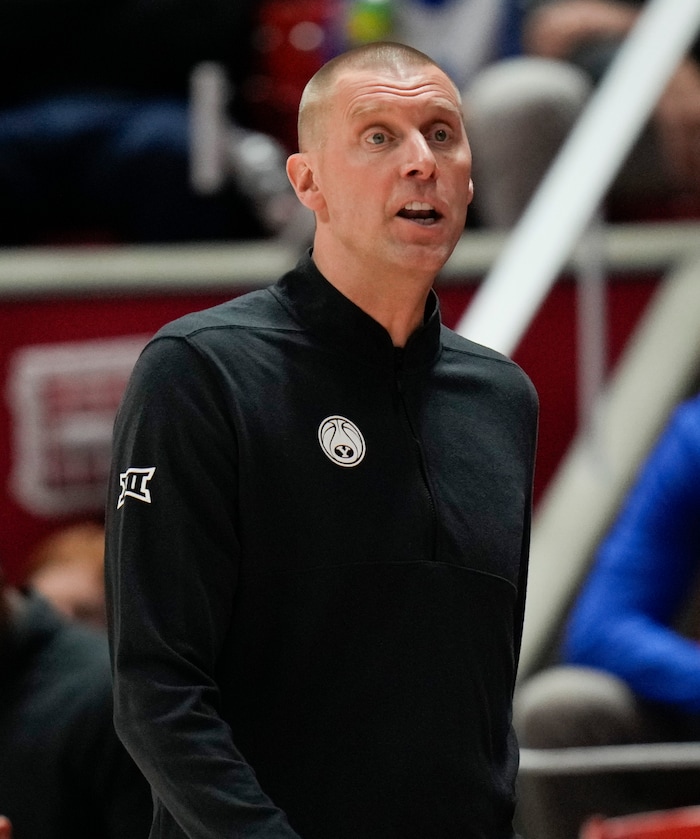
[361, 92]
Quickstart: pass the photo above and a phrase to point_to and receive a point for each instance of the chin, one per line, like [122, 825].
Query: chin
[429, 256]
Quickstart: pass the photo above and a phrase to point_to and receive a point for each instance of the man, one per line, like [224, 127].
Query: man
[631, 657]
[318, 522]
[521, 111]
[63, 772]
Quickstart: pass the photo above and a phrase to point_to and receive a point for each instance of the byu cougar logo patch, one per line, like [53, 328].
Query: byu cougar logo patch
[134, 483]
[341, 441]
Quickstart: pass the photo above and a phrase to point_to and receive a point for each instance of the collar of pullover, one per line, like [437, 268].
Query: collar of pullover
[326, 312]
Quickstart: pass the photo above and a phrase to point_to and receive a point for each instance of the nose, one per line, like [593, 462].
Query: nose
[419, 159]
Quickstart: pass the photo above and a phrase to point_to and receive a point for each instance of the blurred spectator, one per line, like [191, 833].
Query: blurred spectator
[63, 772]
[67, 568]
[462, 36]
[94, 119]
[522, 110]
[631, 650]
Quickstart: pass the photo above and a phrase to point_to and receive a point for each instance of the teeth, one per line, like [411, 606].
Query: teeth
[418, 205]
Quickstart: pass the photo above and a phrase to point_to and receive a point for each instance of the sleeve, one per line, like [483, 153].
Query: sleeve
[171, 563]
[532, 432]
[644, 572]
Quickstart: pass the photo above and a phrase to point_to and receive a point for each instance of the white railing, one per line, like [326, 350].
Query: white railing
[634, 757]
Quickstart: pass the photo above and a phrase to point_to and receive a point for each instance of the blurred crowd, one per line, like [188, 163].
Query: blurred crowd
[105, 134]
[63, 771]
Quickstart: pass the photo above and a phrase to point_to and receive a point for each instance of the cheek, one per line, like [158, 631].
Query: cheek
[462, 181]
[349, 198]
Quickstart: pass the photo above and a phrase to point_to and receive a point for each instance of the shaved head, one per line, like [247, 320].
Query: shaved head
[316, 100]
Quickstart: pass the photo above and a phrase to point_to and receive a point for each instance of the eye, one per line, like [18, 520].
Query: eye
[377, 138]
[441, 135]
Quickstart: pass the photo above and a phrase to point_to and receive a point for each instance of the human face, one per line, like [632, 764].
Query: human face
[74, 588]
[392, 174]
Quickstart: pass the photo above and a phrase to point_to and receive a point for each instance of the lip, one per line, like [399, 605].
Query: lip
[422, 223]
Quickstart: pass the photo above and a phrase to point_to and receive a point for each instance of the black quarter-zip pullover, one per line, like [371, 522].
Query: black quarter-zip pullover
[317, 550]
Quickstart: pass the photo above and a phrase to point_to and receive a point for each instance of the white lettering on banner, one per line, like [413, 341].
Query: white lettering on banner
[63, 399]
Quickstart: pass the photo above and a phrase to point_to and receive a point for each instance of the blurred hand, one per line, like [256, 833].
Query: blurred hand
[557, 30]
[677, 118]
[5, 828]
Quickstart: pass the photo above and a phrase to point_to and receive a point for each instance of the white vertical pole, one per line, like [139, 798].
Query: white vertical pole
[209, 95]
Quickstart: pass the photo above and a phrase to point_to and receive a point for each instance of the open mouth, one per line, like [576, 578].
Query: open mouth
[420, 212]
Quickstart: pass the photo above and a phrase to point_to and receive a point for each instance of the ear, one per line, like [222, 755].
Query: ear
[471, 191]
[302, 178]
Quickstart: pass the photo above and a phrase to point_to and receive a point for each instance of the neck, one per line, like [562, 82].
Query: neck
[400, 321]
[397, 302]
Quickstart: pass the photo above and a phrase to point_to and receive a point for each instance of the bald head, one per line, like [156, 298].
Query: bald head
[316, 101]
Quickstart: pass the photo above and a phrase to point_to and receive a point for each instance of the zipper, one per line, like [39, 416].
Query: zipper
[418, 448]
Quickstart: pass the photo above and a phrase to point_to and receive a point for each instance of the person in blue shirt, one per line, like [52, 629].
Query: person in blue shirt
[631, 657]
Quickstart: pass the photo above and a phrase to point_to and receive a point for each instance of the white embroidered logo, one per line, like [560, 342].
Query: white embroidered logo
[134, 482]
[341, 441]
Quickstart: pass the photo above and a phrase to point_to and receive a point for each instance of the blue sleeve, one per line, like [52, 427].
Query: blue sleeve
[644, 572]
